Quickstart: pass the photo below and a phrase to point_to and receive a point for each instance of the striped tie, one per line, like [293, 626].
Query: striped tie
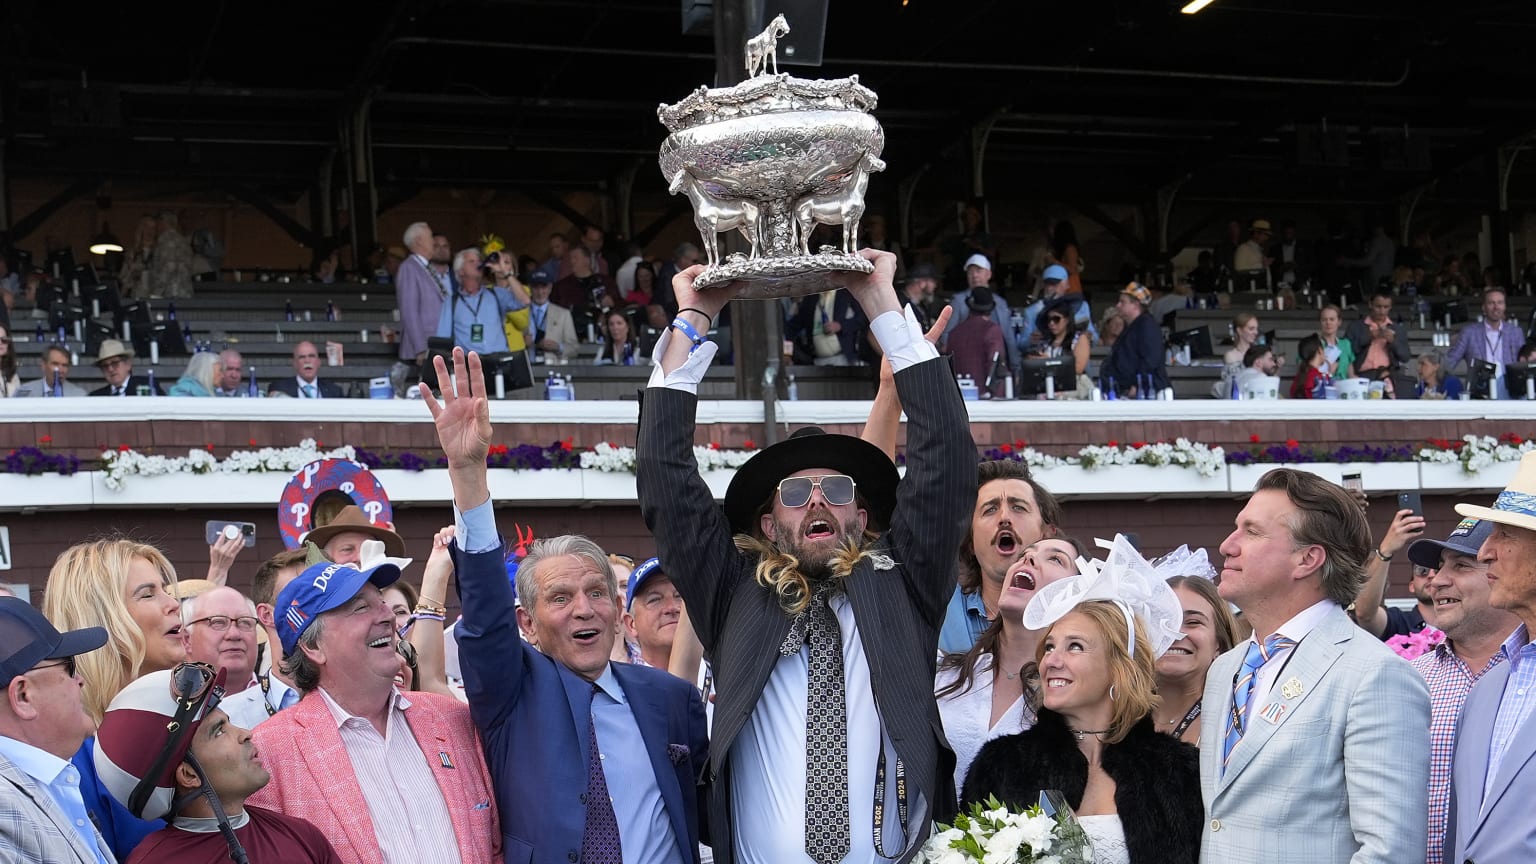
[1242, 691]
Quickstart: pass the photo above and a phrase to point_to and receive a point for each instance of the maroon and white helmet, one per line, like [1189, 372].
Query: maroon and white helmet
[147, 732]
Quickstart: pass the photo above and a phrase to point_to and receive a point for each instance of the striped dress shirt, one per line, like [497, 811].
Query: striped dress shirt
[1519, 699]
[409, 815]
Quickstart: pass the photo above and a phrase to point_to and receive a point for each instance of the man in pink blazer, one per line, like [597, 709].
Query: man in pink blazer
[388, 778]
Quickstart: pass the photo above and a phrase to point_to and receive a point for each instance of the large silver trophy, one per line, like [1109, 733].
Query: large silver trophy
[773, 157]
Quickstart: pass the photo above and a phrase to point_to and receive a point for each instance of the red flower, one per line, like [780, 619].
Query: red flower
[749, 444]
[566, 445]
[209, 447]
[714, 445]
[1021, 443]
[498, 450]
[123, 448]
[1253, 439]
[1006, 448]
[46, 439]
[252, 442]
[1292, 443]
[1114, 444]
[319, 446]
[1137, 445]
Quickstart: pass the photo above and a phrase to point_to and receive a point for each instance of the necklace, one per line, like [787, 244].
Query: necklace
[1079, 733]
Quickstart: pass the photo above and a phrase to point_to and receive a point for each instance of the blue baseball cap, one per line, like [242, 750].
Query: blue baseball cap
[540, 277]
[321, 588]
[1055, 273]
[27, 639]
[1466, 540]
[638, 577]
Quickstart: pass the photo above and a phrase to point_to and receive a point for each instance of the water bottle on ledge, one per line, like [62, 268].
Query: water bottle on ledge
[151, 383]
[792, 390]
[330, 311]
[288, 310]
[170, 312]
[254, 392]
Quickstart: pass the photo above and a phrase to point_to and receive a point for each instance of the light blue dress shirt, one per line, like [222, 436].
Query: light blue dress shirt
[645, 832]
[62, 780]
[1519, 699]
[460, 313]
[965, 619]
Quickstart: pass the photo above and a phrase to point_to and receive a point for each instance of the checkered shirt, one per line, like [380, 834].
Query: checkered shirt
[1449, 679]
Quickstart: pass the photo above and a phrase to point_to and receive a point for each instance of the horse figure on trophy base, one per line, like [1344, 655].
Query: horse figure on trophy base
[843, 208]
[713, 215]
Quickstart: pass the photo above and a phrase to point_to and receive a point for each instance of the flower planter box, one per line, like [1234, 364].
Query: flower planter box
[1374, 476]
[182, 490]
[1448, 478]
[515, 486]
[1130, 481]
[26, 491]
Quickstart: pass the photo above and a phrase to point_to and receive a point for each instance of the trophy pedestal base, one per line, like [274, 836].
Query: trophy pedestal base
[788, 276]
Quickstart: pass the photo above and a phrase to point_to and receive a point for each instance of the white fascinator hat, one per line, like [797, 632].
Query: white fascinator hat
[1123, 578]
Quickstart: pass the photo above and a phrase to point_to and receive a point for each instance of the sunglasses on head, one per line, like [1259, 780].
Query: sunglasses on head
[836, 489]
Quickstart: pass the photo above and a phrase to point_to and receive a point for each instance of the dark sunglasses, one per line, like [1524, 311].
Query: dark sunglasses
[68, 663]
[1055, 319]
[837, 489]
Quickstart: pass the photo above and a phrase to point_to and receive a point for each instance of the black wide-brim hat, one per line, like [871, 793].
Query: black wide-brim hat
[813, 447]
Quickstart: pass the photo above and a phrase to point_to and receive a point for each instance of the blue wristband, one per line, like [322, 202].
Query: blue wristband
[687, 330]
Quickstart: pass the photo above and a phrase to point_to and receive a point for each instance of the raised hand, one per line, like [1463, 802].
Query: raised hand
[463, 418]
[709, 301]
[875, 292]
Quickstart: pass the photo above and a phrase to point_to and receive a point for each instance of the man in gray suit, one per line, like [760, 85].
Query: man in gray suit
[818, 594]
[1316, 742]
[1493, 775]
[42, 723]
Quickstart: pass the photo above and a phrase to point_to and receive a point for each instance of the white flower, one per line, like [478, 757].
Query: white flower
[1038, 830]
[1003, 846]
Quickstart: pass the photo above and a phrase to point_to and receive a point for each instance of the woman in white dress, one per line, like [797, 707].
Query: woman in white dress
[1136, 792]
[982, 693]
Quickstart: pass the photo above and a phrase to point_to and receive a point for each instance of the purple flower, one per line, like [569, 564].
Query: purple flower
[32, 461]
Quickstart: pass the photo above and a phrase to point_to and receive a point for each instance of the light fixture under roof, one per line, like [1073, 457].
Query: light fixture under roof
[1194, 6]
[105, 243]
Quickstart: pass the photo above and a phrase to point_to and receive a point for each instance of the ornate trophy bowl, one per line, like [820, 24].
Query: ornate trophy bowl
[773, 158]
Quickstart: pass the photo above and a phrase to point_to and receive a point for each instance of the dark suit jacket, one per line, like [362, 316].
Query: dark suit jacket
[290, 386]
[845, 311]
[899, 610]
[533, 715]
[134, 383]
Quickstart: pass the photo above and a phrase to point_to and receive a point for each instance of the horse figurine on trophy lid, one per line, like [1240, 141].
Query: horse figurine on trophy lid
[773, 157]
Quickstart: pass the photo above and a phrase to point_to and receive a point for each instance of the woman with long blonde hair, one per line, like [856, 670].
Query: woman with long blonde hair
[122, 585]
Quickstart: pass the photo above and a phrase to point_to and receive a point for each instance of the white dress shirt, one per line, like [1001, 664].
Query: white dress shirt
[410, 817]
[1297, 628]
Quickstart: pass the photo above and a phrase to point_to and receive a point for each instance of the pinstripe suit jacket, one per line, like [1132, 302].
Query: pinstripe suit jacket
[1501, 831]
[899, 611]
[34, 828]
[1341, 775]
[312, 776]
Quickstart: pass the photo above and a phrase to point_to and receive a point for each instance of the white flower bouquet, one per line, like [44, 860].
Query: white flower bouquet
[993, 834]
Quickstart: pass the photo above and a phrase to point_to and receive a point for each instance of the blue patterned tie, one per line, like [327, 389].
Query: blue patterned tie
[600, 841]
[309, 391]
[1242, 691]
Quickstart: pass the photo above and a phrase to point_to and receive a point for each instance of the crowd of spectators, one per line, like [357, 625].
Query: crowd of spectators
[744, 695]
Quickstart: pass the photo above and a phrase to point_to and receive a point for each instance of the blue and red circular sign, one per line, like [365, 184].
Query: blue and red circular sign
[351, 478]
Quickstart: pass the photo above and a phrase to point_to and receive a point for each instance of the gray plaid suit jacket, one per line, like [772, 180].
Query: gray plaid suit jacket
[1342, 774]
[899, 610]
[34, 828]
[1500, 831]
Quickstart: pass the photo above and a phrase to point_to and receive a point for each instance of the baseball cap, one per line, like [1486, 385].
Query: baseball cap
[1055, 273]
[978, 260]
[27, 639]
[540, 277]
[1262, 225]
[319, 589]
[638, 577]
[1138, 291]
[1466, 540]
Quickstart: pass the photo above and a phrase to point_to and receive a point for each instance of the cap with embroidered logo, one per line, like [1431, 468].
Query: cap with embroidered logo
[319, 589]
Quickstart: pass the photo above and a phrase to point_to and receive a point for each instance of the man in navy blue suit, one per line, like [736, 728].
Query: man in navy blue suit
[560, 727]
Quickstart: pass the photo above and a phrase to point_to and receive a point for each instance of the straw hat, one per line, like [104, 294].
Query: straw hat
[1516, 505]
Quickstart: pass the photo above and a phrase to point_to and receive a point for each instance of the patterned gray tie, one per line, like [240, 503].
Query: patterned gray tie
[826, 730]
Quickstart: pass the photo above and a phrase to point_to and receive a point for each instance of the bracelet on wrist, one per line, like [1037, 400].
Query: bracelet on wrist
[1381, 555]
[686, 329]
[430, 608]
[419, 615]
[707, 316]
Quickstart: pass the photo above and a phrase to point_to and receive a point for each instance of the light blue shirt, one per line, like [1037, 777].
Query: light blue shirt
[1518, 700]
[964, 621]
[62, 780]
[461, 312]
[645, 832]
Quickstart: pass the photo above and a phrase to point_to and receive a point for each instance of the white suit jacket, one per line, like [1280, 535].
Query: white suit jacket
[1500, 830]
[1334, 766]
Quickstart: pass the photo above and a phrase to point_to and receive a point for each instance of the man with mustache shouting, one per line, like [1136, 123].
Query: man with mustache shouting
[818, 594]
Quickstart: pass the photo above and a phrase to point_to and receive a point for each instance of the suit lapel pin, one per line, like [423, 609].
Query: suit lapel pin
[882, 562]
[442, 756]
[1273, 712]
[1292, 688]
